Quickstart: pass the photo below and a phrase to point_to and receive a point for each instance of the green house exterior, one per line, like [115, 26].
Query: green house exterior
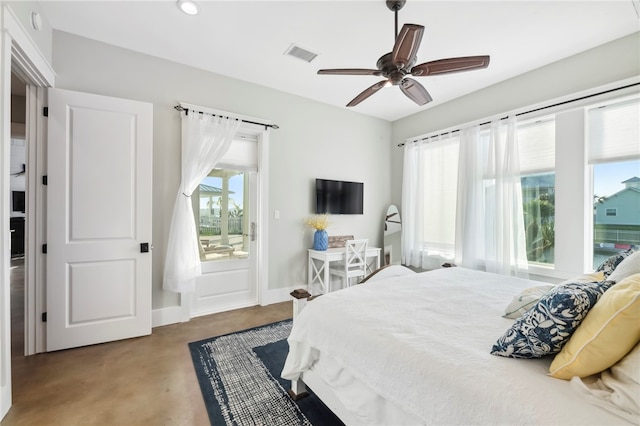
[617, 219]
[621, 208]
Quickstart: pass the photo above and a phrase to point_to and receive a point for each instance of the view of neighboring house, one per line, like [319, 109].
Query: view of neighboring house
[617, 217]
[621, 208]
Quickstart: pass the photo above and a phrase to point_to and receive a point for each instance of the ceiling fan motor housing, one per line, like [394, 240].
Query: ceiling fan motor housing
[392, 72]
[395, 5]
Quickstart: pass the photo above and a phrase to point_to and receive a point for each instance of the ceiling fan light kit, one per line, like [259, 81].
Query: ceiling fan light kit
[397, 65]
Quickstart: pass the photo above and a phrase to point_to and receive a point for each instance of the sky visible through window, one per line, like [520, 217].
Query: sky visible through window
[608, 177]
[236, 186]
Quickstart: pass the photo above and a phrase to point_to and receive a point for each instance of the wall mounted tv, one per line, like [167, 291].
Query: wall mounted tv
[339, 197]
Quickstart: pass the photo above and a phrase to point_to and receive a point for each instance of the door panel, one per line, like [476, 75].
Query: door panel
[108, 182]
[99, 211]
[94, 288]
[223, 291]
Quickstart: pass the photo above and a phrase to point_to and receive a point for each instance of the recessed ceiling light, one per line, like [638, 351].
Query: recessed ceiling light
[189, 7]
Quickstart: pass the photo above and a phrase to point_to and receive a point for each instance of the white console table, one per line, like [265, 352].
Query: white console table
[319, 264]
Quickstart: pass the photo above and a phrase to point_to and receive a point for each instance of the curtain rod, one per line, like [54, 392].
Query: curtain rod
[533, 110]
[186, 110]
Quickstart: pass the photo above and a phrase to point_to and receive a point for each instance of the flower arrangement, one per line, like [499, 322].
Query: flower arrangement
[318, 222]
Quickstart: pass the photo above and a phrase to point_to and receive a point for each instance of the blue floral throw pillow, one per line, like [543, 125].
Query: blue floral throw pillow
[609, 265]
[549, 324]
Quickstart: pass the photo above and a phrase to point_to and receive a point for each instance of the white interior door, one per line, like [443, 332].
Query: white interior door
[98, 219]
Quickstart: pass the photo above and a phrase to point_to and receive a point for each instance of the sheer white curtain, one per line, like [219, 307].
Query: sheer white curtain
[489, 221]
[429, 202]
[205, 140]
[412, 205]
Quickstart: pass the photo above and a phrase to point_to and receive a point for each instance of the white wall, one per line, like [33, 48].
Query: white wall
[614, 61]
[314, 140]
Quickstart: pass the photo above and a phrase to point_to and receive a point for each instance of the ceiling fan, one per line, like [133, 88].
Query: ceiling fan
[399, 63]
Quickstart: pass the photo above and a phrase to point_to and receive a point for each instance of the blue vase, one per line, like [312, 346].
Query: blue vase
[320, 240]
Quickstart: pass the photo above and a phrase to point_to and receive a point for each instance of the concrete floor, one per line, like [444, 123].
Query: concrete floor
[143, 381]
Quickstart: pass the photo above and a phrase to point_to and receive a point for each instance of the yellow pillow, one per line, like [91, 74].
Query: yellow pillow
[608, 332]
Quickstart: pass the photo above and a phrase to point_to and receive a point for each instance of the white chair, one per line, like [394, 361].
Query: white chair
[355, 262]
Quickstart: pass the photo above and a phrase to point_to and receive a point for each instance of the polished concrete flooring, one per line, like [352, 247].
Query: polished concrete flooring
[143, 381]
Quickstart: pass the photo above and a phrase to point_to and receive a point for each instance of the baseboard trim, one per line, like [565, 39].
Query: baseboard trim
[173, 315]
[222, 308]
[166, 316]
[279, 295]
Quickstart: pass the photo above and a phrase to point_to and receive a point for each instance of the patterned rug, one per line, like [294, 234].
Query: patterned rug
[239, 375]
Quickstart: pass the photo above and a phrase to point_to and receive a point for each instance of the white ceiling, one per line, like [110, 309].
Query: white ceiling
[247, 39]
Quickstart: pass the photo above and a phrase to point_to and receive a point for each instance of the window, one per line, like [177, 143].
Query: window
[590, 178]
[614, 156]
[429, 191]
[615, 228]
[536, 149]
[222, 203]
[222, 220]
[441, 184]
[538, 206]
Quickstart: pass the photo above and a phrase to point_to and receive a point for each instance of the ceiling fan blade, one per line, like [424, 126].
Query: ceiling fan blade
[450, 65]
[350, 71]
[367, 92]
[415, 91]
[407, 45]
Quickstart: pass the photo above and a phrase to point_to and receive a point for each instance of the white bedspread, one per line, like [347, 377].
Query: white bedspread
[423, 342]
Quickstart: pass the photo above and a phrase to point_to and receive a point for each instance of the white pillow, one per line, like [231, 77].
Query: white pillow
[387, 272]
[530, 296]
[629, 266]
[617, 389]
[525, 300]
[624, 379]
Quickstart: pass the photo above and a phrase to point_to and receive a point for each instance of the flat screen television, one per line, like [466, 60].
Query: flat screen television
[339, 197]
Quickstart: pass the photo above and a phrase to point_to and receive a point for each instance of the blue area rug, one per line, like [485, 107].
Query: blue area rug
[239, 375]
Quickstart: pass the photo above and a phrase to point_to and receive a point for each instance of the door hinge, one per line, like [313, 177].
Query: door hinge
[44, 248]
[44, 317]
[45, 180]
[45, 111]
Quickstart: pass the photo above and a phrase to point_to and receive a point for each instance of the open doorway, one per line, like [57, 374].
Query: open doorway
[17, 213]
[19, 55]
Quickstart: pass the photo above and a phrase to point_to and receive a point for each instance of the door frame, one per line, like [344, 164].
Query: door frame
[19, 53]
[36, 222]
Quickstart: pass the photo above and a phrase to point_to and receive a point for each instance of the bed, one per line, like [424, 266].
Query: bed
[414, 348]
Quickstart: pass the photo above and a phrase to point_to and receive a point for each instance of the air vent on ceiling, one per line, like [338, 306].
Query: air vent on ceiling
[300, 53]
